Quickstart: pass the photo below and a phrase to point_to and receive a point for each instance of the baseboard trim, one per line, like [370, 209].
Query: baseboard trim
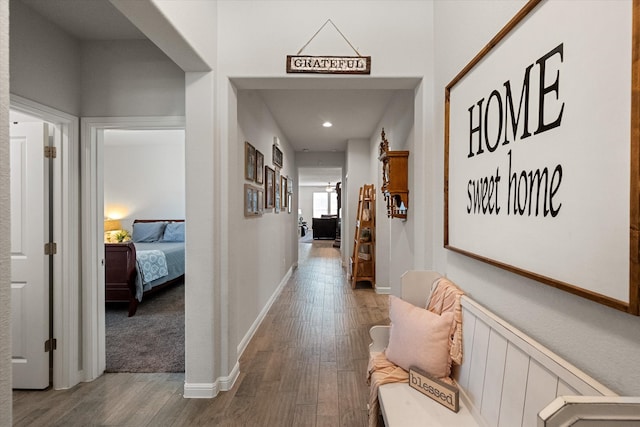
[383, 290]
[254, 327]
[211, 390]
[200, 390]
[226, 383]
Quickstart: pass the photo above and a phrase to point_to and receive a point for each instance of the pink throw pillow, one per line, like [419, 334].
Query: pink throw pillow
[419, 338]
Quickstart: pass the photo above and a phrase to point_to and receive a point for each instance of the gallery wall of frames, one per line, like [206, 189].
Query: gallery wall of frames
[268, 190]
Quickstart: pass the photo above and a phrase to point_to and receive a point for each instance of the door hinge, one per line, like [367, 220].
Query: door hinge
[50, 345]
[50, 248]
[50, 152]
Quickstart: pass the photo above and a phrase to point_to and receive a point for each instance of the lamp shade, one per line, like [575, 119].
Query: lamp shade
[112, 225]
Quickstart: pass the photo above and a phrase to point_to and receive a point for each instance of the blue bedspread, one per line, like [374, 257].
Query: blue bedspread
[174, 257]
[152, 265]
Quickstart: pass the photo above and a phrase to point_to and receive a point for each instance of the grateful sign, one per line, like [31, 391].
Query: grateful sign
[329, 64]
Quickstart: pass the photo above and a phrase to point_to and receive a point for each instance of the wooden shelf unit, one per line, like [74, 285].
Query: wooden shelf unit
[363, 259]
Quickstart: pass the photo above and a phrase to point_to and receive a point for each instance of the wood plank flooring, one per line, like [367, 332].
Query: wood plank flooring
[305, 366]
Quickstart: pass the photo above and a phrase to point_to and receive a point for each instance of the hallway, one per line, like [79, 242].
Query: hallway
[305, 366]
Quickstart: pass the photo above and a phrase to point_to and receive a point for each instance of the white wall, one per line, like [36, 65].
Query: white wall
[129, 78]
[197, 23]
[291, 24]
[395, 239]
[6, 400]
[320, 159]
[45, 61]
[268, 244]
[305, 202]
[90, 78]
[210, 356]
[359, 173]
[602, 341]
[206, 322]
[144, 175]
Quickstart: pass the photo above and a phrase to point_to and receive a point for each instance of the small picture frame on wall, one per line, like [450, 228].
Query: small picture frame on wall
[289, 185]
[278, 195]
[254, 201]
[260, 200]
[249, 161]
[269, 186]
[251, 201]
[259, 167]
[277, 156]
[283, 192]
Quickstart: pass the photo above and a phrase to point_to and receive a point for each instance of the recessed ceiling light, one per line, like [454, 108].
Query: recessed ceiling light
[327, 124]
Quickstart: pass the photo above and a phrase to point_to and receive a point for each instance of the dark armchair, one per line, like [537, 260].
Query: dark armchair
[324, 228]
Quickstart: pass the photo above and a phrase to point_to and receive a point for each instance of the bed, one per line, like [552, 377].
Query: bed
[153, 260]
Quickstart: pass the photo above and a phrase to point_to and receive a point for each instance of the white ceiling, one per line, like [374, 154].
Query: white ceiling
[301, 113]
[353, 105]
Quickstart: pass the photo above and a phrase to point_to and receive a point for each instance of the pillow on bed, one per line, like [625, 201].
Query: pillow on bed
[147, 231]
[174, 232]
[419, 338]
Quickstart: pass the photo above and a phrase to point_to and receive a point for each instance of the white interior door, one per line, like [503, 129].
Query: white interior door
[29, 264]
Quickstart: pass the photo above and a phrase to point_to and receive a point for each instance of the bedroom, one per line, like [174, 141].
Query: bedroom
[144, 179]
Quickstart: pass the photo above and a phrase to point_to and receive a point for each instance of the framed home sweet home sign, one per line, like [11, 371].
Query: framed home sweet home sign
[542, 139]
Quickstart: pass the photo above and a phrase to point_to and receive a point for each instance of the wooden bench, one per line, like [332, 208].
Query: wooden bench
[506, 378]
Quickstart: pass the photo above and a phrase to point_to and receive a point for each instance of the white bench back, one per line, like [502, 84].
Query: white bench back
[506, 377]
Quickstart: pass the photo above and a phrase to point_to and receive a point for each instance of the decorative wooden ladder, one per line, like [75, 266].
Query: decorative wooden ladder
[363, 260]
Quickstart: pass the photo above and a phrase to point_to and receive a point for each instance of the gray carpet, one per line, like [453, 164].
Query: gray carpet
[150, 341]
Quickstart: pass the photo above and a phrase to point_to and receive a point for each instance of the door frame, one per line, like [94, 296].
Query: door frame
[67, 363]
[92, 208]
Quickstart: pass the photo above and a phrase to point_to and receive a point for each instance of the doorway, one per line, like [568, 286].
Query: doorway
[53, 181]
[93, 131]
[317, 197]
[31, 269]
[144, 179]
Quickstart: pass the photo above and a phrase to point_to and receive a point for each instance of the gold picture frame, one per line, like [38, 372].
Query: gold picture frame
[252, 200]
[249, 161]
[269, 184]
[283, 192]
[259, 167]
